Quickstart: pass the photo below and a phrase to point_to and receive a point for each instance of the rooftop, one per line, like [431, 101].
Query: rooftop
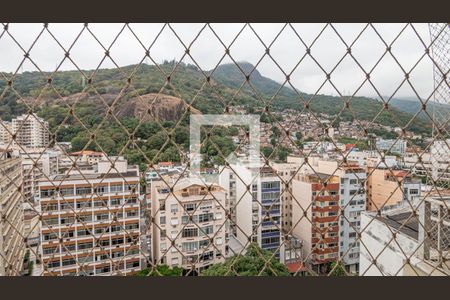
[405, 222]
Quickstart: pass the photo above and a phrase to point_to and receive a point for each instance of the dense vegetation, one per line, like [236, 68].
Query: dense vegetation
[249, 264]
[188, 83]
[161, 270]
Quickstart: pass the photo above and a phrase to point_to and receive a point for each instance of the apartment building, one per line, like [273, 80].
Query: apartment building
[392, 145]
[31, 131]
[286, 171]
[257, 215]
[315, 217]
[12, 246]
[414, 252]
[372, 159]
[90, 220]
[37, 163]
[5, 133]
[386, 188]
[434, 163]
[352, 201]
[190, 228]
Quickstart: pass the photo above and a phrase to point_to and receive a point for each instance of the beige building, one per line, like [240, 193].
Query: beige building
[12, 245]
[386, 188]
[31, 131]
[190, 228]
[90, 221]
[5, 133]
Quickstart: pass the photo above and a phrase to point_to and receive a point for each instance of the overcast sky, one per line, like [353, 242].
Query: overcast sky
[207, 51]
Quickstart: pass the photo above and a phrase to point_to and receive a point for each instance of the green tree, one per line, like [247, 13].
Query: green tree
[249, 264]
[161, 270]
[337, 269]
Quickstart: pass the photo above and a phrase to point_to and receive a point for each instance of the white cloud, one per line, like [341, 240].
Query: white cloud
[207, 51]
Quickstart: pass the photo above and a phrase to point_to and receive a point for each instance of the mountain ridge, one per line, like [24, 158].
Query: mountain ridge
[188, 84]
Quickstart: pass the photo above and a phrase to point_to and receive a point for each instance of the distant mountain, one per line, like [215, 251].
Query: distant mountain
[413, 105]
[188, 84]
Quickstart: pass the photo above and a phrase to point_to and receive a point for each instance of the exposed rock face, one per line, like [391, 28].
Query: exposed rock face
[162, 107]
[149, 106]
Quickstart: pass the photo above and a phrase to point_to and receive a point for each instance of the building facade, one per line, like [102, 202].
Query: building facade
[315, 217]
[352, 202]
[257, 206]
[386, 188]
[31, 131]
[12, 245]
[90, 221]
[190, 229]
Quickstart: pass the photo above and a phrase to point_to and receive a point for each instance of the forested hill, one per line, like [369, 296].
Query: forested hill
[188, 83]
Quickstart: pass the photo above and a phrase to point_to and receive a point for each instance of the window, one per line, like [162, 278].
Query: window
[175, 261]
[352, 192]
[132, 213]
[162, 220]
[116, 188]
[189, 206]
[207, 256]
[173, 234]
[352, 234]
[270, 185]
[219, 216]
[190, 246]
[174, 221]
[413, 191]
[66, 191]
[86, 245]
[184, 219]
[50, 236]
[101, 189]
[50, 207]
[205, 217]
[207, 205]
[115, 201]
[102, 217]
[83, 190]
[189, 232]
[219, 241]
[174, 208]
[203, 243]
[342, 191]
[47, 193]
[353, 181]
[66, 205]
[206, 230]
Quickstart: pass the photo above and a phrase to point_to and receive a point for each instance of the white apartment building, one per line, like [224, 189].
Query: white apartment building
[411, 253]
[12, 246]
[435, 162]
[258, 216]
[352, 201]
[31, 131]
[391, 145]
[372, 159]
[90, 220]
[190, 228]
